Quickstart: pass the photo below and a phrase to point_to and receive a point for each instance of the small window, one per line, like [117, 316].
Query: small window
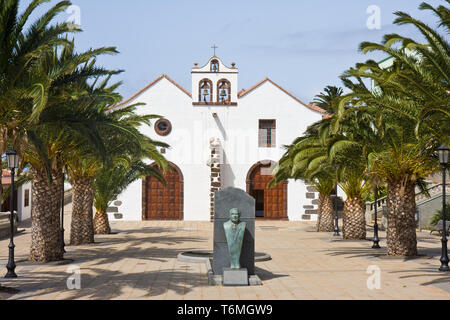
[163, 127]
[267, 133]
[26, 201]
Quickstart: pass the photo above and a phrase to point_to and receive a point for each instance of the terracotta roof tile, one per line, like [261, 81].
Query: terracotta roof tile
[312, 107]
[6, 177]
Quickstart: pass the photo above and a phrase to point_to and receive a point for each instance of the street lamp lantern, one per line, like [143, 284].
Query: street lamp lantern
[443, 152]
[13, 164]
[13, 159]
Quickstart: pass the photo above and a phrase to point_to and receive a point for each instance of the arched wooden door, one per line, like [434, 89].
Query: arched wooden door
[271, 204]
[164, 202]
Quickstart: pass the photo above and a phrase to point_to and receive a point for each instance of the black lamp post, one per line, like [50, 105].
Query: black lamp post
[13, 164]
[63, 245]
[376, 239]
[336, 216]
[443, 158]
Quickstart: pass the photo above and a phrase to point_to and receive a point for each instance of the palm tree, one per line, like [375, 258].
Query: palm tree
[111, 181]
[125, 151]
[81, 172]
[351, 162]
[304, 160]
[20, 47]
[417, 85]
[63, 124]
[404, 109]
[354, 220]
[84, 162]
[85, 165]
[329, 98]
[325, 186]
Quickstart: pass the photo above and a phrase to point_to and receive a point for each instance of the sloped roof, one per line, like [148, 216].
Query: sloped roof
[312, 107]
[151, 84]
[6, 177]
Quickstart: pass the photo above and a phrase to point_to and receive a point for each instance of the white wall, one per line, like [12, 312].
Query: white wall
[131, 207]
[236, 127]
[24, 213]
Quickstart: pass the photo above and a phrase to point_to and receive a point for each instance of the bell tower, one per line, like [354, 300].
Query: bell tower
[214, 84]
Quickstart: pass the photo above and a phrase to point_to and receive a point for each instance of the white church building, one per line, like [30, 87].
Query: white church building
[219, 137]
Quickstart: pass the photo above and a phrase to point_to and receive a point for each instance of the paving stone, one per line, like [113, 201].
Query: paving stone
[141, 264]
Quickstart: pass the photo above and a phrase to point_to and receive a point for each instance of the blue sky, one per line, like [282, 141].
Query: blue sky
[302, 45]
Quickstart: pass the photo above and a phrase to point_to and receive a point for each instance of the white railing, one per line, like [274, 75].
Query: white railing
[420, 196]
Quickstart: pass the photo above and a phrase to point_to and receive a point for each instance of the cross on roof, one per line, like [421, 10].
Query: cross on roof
[214, 47]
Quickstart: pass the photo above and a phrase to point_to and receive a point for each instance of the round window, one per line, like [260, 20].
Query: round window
[163, 127]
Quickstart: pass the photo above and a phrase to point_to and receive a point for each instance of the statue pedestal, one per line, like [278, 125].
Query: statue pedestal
[225, 201]
[235, 277]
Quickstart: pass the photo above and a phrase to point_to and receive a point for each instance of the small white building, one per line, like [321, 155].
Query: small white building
[220, 137]
[22, 198]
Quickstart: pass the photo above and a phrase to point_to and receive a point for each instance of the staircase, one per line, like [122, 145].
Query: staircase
[427, 206]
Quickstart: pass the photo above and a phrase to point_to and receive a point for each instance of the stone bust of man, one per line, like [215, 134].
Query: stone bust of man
[234, 232]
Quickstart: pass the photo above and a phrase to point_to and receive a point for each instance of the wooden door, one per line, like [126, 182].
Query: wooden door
[164, 202]
[275, 199]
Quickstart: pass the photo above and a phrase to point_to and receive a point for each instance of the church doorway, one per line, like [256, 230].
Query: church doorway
[164, 202]
[271, 204]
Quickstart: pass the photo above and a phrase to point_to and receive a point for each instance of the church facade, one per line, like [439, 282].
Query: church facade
[219, 137]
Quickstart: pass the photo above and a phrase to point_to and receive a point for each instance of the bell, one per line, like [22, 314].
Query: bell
[205, 95]
[223, 94]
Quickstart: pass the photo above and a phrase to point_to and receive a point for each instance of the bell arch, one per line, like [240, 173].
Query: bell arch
[215, 66]
[223, 91]
[205, 91]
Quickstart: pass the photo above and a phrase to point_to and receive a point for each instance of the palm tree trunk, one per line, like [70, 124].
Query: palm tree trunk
[325, 222]
[354, 220]
[401, 209]
[45, 229]
[82, 226]
[101, 223]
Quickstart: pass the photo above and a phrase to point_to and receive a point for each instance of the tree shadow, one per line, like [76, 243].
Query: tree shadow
[423, 253]
[141, 248]
[440, 279]
[356, 252]
[109, 285]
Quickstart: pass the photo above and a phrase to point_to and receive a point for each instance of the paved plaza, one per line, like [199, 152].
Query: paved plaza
[139, 261]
